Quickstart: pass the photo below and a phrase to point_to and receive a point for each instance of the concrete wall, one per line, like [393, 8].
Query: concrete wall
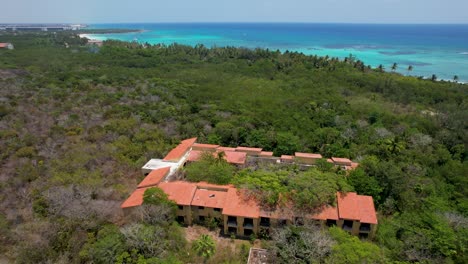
[309, 161]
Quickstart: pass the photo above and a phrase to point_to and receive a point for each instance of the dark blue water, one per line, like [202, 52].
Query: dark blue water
[430, 49]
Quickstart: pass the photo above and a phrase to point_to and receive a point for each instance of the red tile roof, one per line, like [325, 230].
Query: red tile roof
[154, 177]
[226, 149]
[283, 211]
[342, 161]
[194, 155]
[348, 206]
[356, 207]
[325, 213]
[179, 191]
[266, 154]
[235, 157]
[230, 156]
[135, 199]
[3, 45]
[330, 160]
[209, 198]
[178, 152]
[308, 155]
[238, 204]
[367, 209]
[206, 185]
[247, 149]
[287, 157]
[199, 146]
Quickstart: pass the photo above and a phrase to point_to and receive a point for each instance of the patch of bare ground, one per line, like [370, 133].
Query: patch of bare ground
[11, 73]
[228, 250]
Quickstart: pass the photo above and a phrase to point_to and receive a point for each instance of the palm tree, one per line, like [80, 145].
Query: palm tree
[394, 145]
[381, 68]
[434, 77]
[394, 67]
[204, 246]
[455, 78]
[410, 68]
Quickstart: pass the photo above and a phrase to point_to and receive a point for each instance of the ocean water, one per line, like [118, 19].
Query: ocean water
[431, 49]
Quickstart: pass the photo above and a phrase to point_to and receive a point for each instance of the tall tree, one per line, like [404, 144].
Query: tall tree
[394, 67]
[434, 77]
[455, 78]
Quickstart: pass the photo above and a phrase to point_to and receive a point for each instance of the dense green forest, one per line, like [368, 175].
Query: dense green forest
[77, 123]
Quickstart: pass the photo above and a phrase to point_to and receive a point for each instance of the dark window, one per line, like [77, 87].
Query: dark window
[248, 232]
[264, 221]
[201, 207]
[365, 227]
[217, 209]
[180, 219]
[282, 222]
[232, 221]
[248, 223]
[348, 225]
[331, 222]
[232, 230]
[201, 218]
[181, 207]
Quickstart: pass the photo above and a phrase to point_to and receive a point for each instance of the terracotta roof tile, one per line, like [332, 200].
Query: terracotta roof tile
[226, 149]
[341, 161]
[247, 149]
[207, 147]
[209, 198]
[135, 199]
[206, 185]
[266, 154]
[179, 191]
[287, 157]
[154, 177]
[367, 209]
[308, 155]
[348, 206]
[325, 213]
[237, 204]
[178, 152]
[235, 157]
[194, 155]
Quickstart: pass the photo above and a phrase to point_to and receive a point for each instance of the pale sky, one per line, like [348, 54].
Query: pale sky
[324, 11]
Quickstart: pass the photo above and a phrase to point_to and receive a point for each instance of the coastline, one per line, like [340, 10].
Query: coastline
[373, 44]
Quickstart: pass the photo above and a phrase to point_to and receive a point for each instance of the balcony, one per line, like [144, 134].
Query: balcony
[248, 223]
[232, 221]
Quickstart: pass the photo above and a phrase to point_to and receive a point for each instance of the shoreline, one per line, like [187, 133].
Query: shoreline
[309, 53]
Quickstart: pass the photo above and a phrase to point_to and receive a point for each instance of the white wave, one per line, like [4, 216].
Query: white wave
[464, 53]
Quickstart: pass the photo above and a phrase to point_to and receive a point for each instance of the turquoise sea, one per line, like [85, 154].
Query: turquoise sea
[430, 49]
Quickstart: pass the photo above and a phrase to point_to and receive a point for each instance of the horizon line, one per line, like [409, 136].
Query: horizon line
[243, 22]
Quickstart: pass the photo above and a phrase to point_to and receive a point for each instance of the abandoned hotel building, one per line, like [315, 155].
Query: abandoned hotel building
[236, 213]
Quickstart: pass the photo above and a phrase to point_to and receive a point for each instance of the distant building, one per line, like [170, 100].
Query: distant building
[6, 46]
[236, 212]
[96, 42]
